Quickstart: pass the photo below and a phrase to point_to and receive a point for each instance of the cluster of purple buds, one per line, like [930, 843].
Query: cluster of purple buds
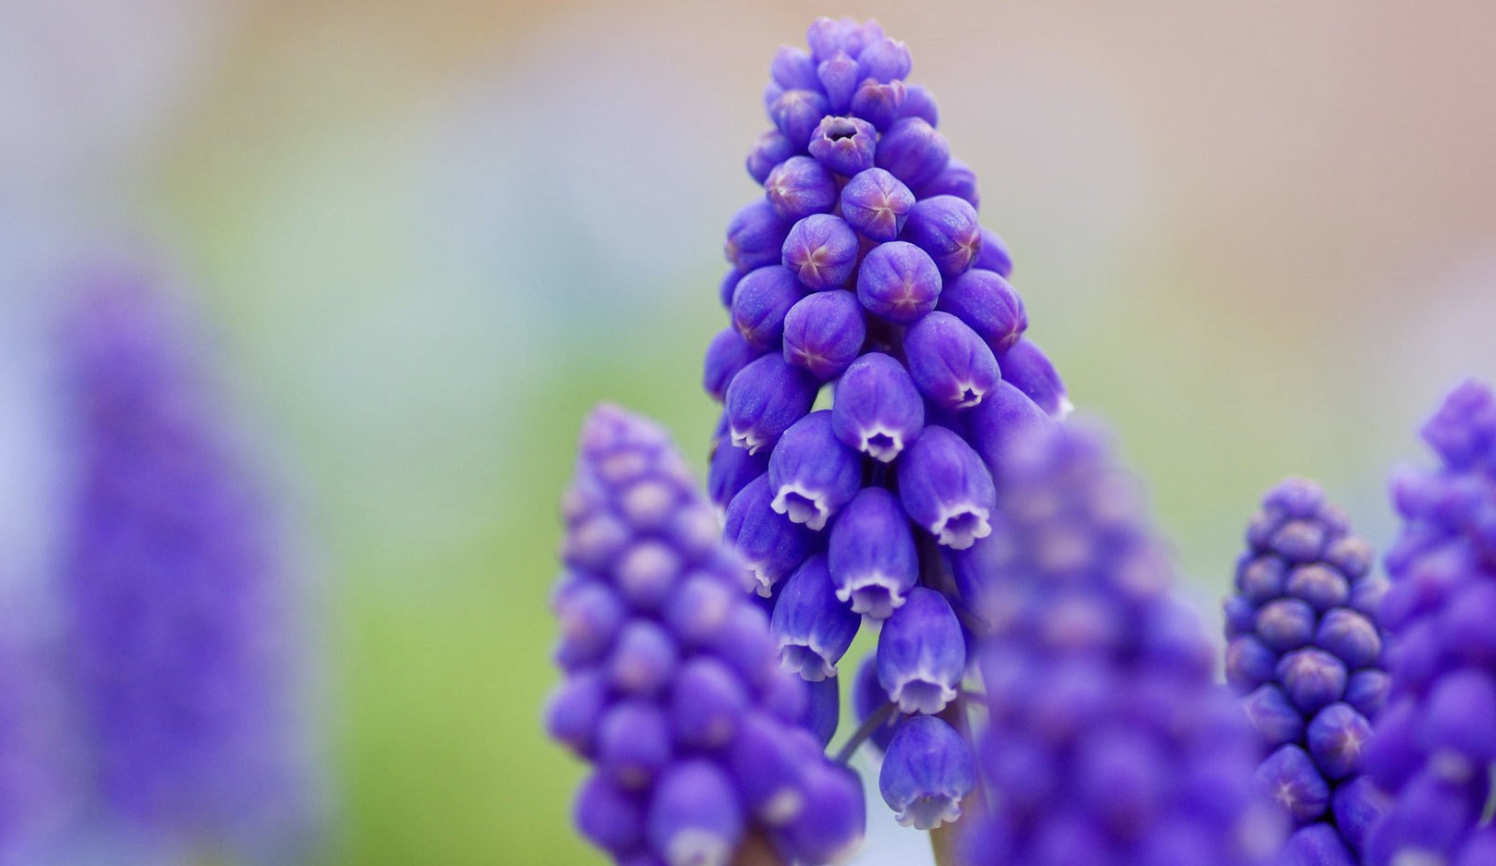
[863, 275]
[673, 690]
[1108, 740]
[178, 640]
[1435, 741]
[1306, 655]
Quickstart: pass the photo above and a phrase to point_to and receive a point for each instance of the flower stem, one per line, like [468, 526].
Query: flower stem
[873, 723]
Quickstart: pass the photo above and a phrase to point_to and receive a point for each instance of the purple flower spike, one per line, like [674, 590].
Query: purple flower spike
[877, 204]
[725, 356]
[950, 364]
[921, 653]
[797, 113]
[1298, 649]
[755, 237]
[811, 473]
[877, 408]
[872, 556]
[822, 251]
[695, 730]
[838, 76]
[956, 179]
[799, 187]
[1108, 741]
[793, 69]
[1031, 372]
[879, 104]
[988, 305]
[764, 399]
[927, 771]
[694, 817]
[769, 149]
[946, 488]
[180, 654]
[812, 628]
[823, 334]
[844, 145]
[884, 60]
[838, 792]
[769, 542]
[946, 227]
[590, 615]
[898, 282]
[759, 304]
[911, 150]
[994, 255]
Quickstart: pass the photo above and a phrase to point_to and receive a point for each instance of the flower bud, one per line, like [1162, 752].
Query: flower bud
[927, 771]
[1366, 691]
[844, 145]
[948, 361]
[921, 653]
[633, 744]
[694, 816]
[838, 77]
[822, 251]
[797, 113]
[839, 793]
[590, 616]
[827, 37]
[812, 628]
[1312, 678]
[876, 407]
[823, 333]
[1316, 845]
[1286, 623]
[910, 149]
[812, 473]
[1026, 367]
[919, 103]
[764, 766]
[871, 555]
[956, 179]
[1358, 805]
[877, 204]
[701, 608]
[764, 399]
[1349, 636]
[643, 660]
[725, 356]
[1336, 737]
[755, 237]
[1277, 721]
[946, 227]
[770, 149]
[898, 282]
[793, 69]
[1006, 419]
[994, 253]
[988, 305]
[1459, 716]
[608, 816]
[800, 186]
[759, 304]
[1289, 778]
[946, 489]
[574, 708]
[884, 60]
[879, 104]
[706, 702]
[770, 544]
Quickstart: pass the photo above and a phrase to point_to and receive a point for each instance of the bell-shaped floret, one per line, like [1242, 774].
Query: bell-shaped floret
[872, 556]
[764, 399]
[898, 282]
[922, 653]
[877, 408]
[823, 333]
[812, 473]
[812, 628]
[927, 771]
[946, 488]
[949, 363]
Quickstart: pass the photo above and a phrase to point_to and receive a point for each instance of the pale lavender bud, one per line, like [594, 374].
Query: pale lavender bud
[821, 250]
[877, 204]
[797, 113]
[770, 149]
[838, 77]
[898, 282]
[911, 149]
[793, 69]
[694, 816]
[919, 103]
[823, 334]
[884, 60]
[879, 104]
[801, 186]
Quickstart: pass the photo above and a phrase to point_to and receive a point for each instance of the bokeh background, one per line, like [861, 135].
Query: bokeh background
[1258, 238]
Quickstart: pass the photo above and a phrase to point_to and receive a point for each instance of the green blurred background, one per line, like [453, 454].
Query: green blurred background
[1258, 238]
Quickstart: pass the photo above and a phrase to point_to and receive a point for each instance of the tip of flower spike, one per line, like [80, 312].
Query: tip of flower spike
[610, 426]
[1463, 430]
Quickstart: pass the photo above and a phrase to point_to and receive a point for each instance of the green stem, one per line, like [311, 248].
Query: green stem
[873, 723]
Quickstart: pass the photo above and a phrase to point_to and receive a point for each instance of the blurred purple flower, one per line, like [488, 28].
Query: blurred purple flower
[179, 635]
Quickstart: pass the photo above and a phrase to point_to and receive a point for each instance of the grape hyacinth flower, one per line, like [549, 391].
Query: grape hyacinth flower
[1108, 740]
[702, 746]
[34, 777]
[1305, 654]
[892, 297]
[1435, 741]
[179, 633]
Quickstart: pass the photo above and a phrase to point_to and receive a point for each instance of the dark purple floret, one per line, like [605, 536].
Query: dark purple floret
[179, 634]
[877, 204]
[946, 227]
[898, 282]
[769, 150]
[797, 113]
[727, 354]
[844, 145]
[755, 237]
[1030, 370]
[956, 179]
[800, 186]
[912, 150]
[759, 304]
[823, 334]
[695, 731]
[1296, 656]
[950, 364]
[988, 305]
[764, 399]
[822, 251]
